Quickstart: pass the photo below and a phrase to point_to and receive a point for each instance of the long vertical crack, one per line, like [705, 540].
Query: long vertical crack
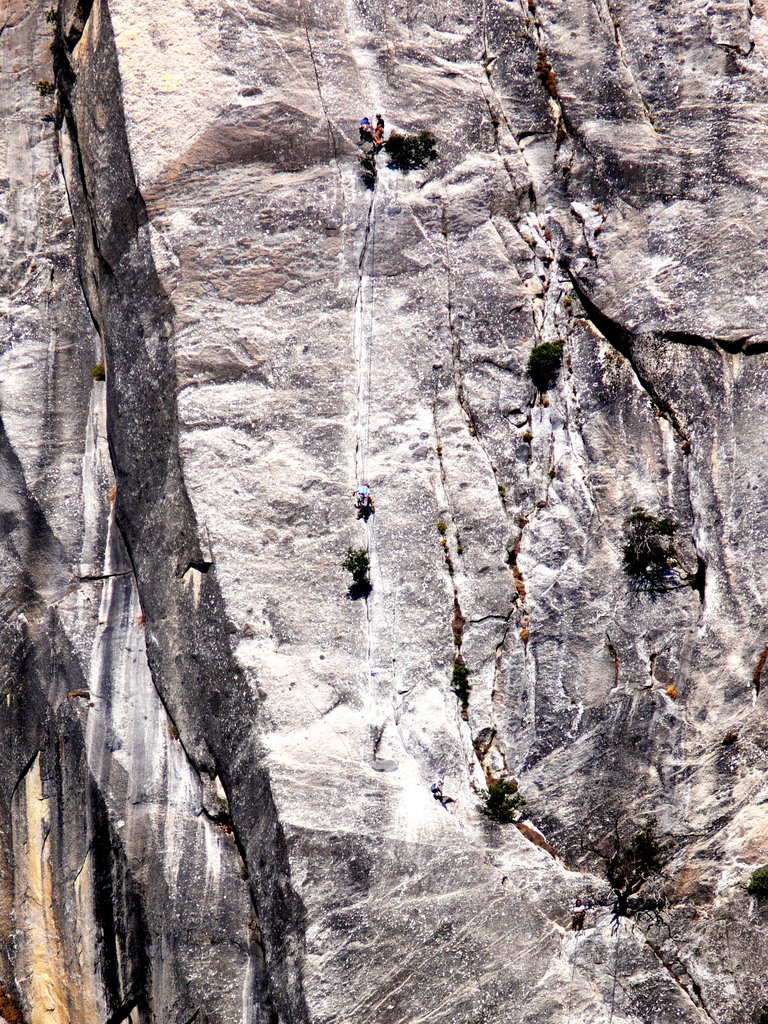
[188, 646]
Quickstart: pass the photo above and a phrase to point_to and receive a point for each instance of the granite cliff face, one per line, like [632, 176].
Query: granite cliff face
[215, 766]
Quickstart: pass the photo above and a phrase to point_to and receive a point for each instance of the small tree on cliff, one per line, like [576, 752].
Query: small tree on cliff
[650, 558]
[503, 801]
[358, 564]
[629, 862]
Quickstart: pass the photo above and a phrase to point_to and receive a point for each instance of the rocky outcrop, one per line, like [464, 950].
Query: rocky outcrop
[214, 802]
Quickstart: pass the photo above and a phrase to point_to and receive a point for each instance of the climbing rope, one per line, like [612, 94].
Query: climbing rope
[573, 974]
[372, 305]
[615, 968]
[371, 523]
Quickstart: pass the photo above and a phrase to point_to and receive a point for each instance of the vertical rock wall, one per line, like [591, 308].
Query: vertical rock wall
[215, 770]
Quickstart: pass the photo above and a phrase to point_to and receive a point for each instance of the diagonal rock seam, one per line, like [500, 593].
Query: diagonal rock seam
[188, 646]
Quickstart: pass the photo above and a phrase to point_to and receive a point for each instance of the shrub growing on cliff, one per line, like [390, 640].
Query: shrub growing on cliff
[544, 364]
[45, 88]
[410, 152]
[546, 73]
[631, 862]
[460, 682]
[758, 883]
[99, 373]
[503, 801]
[650, 558]
[358, 564]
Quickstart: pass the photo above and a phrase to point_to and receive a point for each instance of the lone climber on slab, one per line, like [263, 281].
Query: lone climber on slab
[578, 913]
[437, 793]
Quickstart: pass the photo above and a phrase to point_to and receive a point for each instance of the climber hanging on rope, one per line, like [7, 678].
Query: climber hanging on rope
[437, 792]
[364, 502]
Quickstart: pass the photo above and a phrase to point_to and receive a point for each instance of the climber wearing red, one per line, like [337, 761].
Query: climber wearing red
[364, 502]
[378, 131]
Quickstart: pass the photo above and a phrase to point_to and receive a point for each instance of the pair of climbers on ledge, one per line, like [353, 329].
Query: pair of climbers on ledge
[370, 134]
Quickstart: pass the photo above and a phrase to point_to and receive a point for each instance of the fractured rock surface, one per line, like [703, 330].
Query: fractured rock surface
[215, 799]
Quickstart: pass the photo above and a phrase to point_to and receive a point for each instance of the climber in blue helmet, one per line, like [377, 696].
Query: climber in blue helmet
[436, 790]
[366, 131]
[364, 502]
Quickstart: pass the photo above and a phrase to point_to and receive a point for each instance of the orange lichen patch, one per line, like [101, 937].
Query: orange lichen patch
[10, 1010]
[458, 623]
[758, 675]
[546, 73]
[41, 957]
[616, 662]
[672, 691]
[691, 881]
[536, 838]
[519, 584]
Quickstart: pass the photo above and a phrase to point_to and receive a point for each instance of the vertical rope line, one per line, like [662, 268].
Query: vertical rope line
[372, 304]
[371, 521]
[573, 973]
[615, 970]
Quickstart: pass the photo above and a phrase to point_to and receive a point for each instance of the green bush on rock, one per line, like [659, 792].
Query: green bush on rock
[460, 682]
[544, 364]
[758, 883]
[358, 564]
[503, 801]
[650, 558]
[410, 152]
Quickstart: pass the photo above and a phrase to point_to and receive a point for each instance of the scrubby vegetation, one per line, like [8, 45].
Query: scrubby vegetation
[410, 152]
[758, 883]
[629, 862]
[358, 564]
[546, 73]
[650, 558]
[503, 801]
[460, 683]
[99, 373]
[544, 364]
[45, 88]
